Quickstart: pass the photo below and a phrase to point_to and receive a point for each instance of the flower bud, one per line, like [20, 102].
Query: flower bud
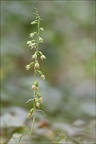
[38, 94]
[39, 72]
[31, 111]
[43, 77]
[36, 100]
[38, 104]
[43, 57]
[36, 83]
[42, 29]
[29, 115]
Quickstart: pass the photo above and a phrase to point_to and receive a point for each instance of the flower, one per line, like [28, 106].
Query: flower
[34, 87]
[40, 40]
[37, 65]
[43, 57]
[41, 99]
[32, 34]
[34, 56]
[29, 43]
[36, 99]
[38, 104]
[33, 45]
[27, 67]
[43, 76]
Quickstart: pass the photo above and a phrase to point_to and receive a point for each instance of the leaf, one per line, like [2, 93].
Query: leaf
[42, 112]
[29, 100]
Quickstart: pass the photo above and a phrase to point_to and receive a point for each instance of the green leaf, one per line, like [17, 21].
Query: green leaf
[29, 100]
[42, 112]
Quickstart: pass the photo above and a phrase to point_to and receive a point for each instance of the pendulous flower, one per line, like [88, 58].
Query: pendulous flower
[28, 67]
[34, 87]
[38, 104]
[43, 76]
[41, 99]
[43, 57]
[37, 65]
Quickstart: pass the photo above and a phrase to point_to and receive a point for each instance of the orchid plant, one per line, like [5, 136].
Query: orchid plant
[33, 43]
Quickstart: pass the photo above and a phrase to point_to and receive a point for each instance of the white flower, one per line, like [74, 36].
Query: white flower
[43, 77]
[32, 34]
[27, 67]
[34, 87]
[43, 57]
[33, 45]
[34, 56]
[37, 65]
[41, 99]
[38, 104]
[29, 42]
[40, 40]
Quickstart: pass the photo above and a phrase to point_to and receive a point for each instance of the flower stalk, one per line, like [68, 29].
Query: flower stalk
[33, 43]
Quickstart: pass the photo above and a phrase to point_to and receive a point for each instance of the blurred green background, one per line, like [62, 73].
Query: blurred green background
[69, 88]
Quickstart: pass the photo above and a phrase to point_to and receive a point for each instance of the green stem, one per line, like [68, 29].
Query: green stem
[32, 124]
[38, 32]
